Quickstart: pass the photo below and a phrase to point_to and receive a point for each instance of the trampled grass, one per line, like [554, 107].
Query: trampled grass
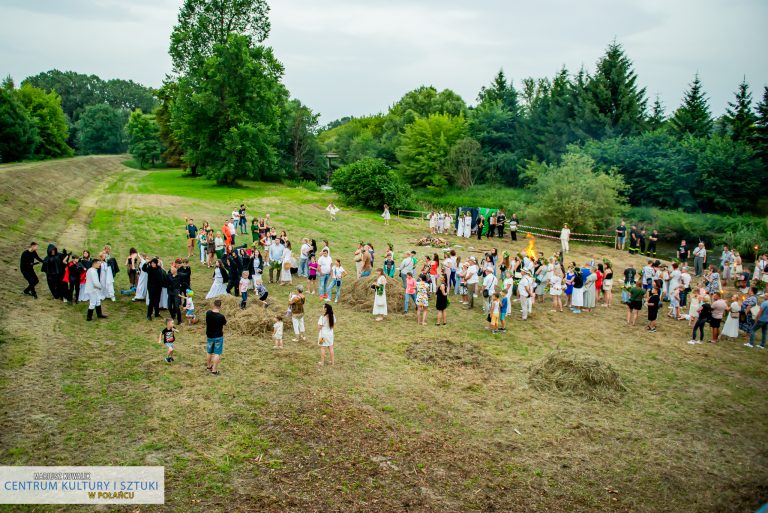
[393, 427]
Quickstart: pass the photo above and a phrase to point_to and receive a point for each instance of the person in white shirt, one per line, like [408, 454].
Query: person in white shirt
[699, 258]
[472, 279]
[525, 293]
[306, 247]
[489, 288]
[507, 287]
[324, 264]
[236, 217]
[93, 289]
[565, 237]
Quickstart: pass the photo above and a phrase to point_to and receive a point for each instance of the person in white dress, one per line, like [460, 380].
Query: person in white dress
[386, 215]
[380, 296]
[731, 328]
[326, 324]
[332, 211]
[467, 225]
[432, 222]
[220, 277]
[107, 279]
[556, 288]
[447, 224]
[93, 289]
[565, 237]
[460, 226]
[285, 264]
[141, 285]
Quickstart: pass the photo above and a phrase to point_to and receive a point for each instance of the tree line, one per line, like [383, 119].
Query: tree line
[685, 160]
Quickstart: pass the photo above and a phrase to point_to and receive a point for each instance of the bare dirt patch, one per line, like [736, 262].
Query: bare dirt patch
[577, 374]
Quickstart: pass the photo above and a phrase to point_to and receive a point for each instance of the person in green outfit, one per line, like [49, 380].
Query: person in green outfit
[255, 229]
[636, 295]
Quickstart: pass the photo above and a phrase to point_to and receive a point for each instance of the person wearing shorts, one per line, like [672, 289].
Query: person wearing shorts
[635, 303]
[214, 331]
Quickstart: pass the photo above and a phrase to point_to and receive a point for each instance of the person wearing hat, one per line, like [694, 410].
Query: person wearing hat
[471, 277]
[565, 236]
[525, 292]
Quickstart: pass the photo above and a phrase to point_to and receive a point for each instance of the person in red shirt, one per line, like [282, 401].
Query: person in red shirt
[227, 233]
[600, 273]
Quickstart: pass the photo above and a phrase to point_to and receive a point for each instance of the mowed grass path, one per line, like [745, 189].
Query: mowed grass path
[380, 431]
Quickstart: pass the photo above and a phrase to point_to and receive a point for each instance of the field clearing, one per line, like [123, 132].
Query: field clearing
[392, 427]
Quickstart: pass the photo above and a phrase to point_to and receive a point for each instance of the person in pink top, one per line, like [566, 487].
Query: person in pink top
[410, 291]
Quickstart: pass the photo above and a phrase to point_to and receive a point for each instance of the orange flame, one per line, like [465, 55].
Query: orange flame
[531, 249]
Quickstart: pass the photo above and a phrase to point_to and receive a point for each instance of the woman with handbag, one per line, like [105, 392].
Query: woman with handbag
[380, 296]
[285, 264]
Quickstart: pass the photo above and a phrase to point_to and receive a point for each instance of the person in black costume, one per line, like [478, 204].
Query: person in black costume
[185, 272]
[54, 265]
[234, 268]
[155, 281]
[173, 282]
[29, 258]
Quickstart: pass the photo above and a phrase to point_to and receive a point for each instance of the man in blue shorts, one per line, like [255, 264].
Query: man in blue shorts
[214, 330]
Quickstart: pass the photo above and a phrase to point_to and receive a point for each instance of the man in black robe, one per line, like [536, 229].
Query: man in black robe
[54, 265]
[173, 283]
[155, 281]
[234, 268]
[29, 258]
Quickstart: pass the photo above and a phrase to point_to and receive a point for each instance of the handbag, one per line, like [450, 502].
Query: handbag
[486, 293]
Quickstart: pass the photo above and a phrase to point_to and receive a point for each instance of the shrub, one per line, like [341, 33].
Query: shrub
[371, 183]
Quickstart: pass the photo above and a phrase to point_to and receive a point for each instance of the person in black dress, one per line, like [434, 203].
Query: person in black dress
[155, 282]
[654, 300]
[54, 265]
[30, 258]
[480, 223]
[441, 301]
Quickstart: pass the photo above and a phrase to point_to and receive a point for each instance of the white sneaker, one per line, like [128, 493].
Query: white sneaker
[748, 345]
[692, 342]
[761, 347]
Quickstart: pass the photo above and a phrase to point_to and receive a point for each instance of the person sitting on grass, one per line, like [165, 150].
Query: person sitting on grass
[168, 337]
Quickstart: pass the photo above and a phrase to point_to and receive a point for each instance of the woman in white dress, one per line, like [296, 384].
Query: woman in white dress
[325, 338]
[285, 264]
[386, 215]
[432, 222]
[141, 285]
[460, 226]
[556, 288]
[468, 225]
[107, 279]
[447, 223]
[380, 296]
[220, 277]
[85, 264]
[731, 328]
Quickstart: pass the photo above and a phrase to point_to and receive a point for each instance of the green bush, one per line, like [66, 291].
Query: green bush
[371, 183]
[488, 196]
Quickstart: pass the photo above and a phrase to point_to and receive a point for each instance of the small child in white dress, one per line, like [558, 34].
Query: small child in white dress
[277, 332]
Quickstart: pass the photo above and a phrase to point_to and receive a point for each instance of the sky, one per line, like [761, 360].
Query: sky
[358, 57]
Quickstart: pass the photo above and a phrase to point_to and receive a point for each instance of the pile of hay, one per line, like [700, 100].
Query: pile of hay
[360, 295]
[447, 353]
[576, 374]
[435, 242]
[254, 320]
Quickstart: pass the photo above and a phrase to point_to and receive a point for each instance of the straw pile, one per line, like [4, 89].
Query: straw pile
[360, 295]
[576, 374]
[435, 242]
[254, 320]
[447, 353]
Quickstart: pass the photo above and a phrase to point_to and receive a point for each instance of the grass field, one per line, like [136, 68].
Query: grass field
[382, 431]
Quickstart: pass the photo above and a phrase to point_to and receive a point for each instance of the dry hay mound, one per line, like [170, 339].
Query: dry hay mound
[576, 374]
[435, 242]
[447, 353]
[254, 320]
[360, 295]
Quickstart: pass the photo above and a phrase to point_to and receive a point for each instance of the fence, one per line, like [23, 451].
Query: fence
[413, 214]
[608, 240]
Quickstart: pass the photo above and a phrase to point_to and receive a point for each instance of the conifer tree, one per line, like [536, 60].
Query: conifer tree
[739, 118]
[759, 136]
[658, 116]
[693, 116]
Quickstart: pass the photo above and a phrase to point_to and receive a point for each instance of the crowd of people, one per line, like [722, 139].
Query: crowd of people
[502, 281]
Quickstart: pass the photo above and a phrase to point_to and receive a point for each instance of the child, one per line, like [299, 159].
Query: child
[654, 300]
[312, 285]
[495, 312]
[693, 311]
[261, 292]
[189, 307]
[674, 302]
[277, 332]
[503, 313]
[168, 337]
[244, 283]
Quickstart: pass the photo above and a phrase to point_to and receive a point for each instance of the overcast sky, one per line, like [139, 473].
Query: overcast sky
[346, 57]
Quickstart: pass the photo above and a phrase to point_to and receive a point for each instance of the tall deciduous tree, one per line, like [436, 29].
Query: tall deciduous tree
[173, 154]
[693, 116]
[18, 135]
[465, 162]
[619, 103]
[299, 145]
[227, 113]
[49, 121]
[203, 24]
[425, 147]
[100, 130]
[739, 118]
[143, 138]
